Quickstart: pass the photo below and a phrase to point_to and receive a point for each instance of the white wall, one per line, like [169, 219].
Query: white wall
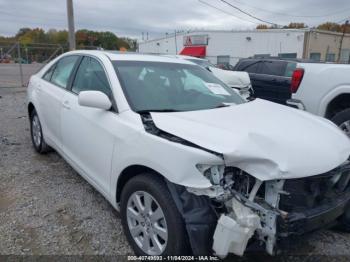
[235, 43]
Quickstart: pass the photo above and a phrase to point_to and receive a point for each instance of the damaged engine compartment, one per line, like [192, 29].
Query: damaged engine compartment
[248, 209]
[239, 209]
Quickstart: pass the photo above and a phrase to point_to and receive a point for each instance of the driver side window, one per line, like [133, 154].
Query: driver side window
[91, 77]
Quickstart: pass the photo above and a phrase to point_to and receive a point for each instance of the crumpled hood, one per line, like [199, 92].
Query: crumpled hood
[234, 79]
[267, 140]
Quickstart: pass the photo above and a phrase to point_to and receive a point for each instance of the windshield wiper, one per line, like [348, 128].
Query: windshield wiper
[157, 111]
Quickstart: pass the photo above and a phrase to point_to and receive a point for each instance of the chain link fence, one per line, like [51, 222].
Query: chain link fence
[18, 62]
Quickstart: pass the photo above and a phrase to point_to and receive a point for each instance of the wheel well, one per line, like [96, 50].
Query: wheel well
[338, 104]
[131, 172]
[30, 109]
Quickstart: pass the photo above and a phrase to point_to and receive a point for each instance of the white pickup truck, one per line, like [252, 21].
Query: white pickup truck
[324, 90]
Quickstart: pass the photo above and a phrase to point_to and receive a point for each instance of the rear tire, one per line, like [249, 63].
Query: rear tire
[37, 135]
[144, 225]
[342, 119]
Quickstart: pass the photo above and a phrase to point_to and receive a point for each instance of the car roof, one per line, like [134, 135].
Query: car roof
[131, 56]
[272, 58]
[185, 57]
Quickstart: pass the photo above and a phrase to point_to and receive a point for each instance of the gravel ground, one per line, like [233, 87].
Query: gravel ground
[46, 208]
[10, 74]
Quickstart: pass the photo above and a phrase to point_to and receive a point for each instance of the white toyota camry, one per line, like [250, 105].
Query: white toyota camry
[191, 166]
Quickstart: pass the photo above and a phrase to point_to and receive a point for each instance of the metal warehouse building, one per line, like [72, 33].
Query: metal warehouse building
[222, 47]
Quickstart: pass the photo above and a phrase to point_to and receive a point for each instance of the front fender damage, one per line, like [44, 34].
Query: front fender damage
[199, 216]
[249, 210]
[224, 217]
[229, 218]
[243, 202]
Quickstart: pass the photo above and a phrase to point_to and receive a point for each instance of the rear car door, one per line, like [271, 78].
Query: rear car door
[274, 84]
[51, 90]
[87, 134]
[252, 67]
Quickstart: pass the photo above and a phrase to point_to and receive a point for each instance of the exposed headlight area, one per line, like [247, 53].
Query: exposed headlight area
[214, 174]
[271, 210]
[233, 180]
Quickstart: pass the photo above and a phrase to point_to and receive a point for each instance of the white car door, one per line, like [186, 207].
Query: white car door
[51, 90]
[88, 138]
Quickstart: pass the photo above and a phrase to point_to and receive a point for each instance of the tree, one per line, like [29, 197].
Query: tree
[131, 42]
[262, 26]
[291, 25]
[31, 36]
[296, 25]
[22, 32]
[84, 38]
[108, 40]
[330, 26]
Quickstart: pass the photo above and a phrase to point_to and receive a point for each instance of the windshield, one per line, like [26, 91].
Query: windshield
[203, 63]
[159, 86]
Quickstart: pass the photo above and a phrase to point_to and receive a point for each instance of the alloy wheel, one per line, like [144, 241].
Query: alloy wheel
[36, 131]
[147, 223]
[346, 127]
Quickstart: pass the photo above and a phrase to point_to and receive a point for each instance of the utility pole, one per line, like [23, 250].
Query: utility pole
[20, 63]
[341, 40]
[175, 38]
[71, 30]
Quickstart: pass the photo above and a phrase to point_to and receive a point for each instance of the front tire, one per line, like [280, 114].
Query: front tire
[37, 134]
[342, 119]
[344, 220]
[150, 218]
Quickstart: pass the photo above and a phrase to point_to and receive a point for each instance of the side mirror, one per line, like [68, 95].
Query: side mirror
[95, 99]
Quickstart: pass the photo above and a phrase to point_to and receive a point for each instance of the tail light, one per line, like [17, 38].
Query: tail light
[296, 79]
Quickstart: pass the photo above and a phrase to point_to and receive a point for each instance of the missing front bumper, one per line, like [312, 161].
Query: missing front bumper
[299, 223]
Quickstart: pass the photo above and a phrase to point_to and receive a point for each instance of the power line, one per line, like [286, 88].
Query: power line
[285, 14]
[228, 13]
[343, 20]
[246, 13]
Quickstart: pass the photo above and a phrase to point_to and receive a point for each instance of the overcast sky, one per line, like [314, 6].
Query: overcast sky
[132, 17]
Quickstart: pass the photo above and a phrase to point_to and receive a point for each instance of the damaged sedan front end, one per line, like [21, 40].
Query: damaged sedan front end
[239, 209]
[269, 212]
[238, 172]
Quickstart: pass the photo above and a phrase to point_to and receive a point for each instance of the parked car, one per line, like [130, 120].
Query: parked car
[238, 80]
[324, 90]
[226, 67]
[191, 166]
[270, 77]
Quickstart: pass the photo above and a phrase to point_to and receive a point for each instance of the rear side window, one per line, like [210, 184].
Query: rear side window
[252, 68]
[276, 68]
[63, 71]
[47, 76]
[91, 77]
[248, 66]
[291, 66]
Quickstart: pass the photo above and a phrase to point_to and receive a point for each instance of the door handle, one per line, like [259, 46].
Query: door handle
[66, 105]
